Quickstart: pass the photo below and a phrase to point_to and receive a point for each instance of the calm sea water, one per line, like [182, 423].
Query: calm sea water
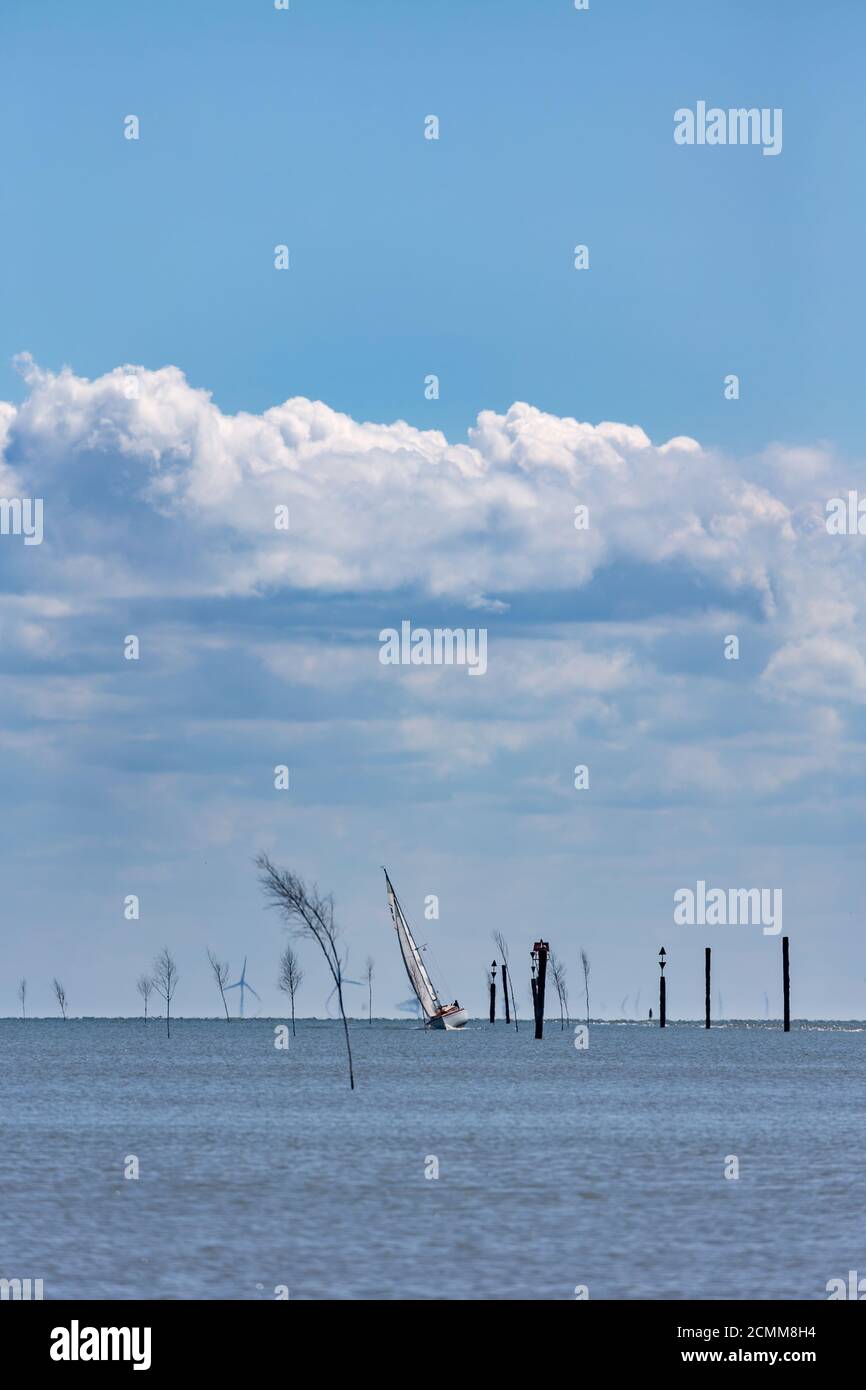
[557, 1167]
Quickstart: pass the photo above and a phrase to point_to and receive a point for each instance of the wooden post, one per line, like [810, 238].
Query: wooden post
[707, 957]
[539, 952]
[493, 992]
[505, 991]
[786, 983]
[662, 963]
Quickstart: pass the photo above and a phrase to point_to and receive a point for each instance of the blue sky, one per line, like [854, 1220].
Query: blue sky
[411, 257]
[451, 257]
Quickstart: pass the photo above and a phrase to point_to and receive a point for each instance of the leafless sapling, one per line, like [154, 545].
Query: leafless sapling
[60, 994]
[368, 976]
[165, 982]
[144, 985]
[557, 970]
[220, 969]
[291, 976]
[502, 947]
[308, 914]
[584, 960]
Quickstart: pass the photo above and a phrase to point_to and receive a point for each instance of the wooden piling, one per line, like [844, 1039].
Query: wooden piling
[707, 959]
[505, 991]
[540, 950]
[786, 983]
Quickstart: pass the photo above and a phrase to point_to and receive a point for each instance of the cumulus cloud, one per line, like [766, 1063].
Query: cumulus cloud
[150, 488]
[152, 493]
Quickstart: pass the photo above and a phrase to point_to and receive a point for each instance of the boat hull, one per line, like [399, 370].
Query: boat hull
[449, 1019]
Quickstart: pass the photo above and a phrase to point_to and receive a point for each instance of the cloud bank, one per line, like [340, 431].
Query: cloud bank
[151, 490]
[260, 647]
[380, 507]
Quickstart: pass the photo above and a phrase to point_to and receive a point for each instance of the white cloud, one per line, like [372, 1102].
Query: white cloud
[376, 507]
[822, 667]
[152, 491]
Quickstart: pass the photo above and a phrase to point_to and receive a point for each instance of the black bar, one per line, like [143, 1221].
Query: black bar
[174, 1335]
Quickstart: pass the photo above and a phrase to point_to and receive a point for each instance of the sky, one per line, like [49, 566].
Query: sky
[163, 388]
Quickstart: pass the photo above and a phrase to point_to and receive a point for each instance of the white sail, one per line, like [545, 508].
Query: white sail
[415, 968]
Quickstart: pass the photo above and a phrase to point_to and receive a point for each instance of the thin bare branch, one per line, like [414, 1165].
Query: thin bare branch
[144, 985]
[220, 971]
[369, 966]
[290, 976]
[60, 994]
[502, 948]
[165, 982]
[584, 960]
[557, 970]
[307, 913]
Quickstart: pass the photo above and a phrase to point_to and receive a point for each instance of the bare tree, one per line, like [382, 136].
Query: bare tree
[22, 995]
[60, 993]
[144, 985]
[307, 914]
[291, 976]
[502, 948]
[584, 960]
[557, 970]
[220, 970]
[368, 976]
[165, 982]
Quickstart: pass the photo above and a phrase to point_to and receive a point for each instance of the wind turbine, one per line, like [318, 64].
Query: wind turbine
[344, 982]
[242, 984]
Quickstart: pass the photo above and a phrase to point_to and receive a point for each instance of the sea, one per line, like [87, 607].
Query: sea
[230, 1161]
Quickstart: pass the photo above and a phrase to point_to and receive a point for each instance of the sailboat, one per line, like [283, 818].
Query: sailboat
[436, 1014]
